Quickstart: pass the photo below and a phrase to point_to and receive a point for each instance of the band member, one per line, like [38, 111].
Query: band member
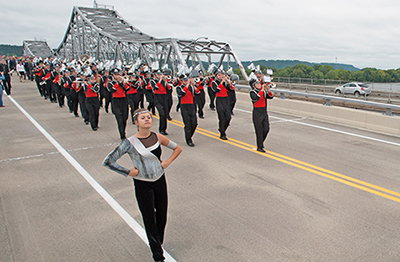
[104, 93]
[148, 174]
[92, 90]
[38, 71]
[160, 99]
[132, 94]
[141, 89]
[220, 87]
[210, 90]
[259, 95]
[46, 82]
[201, 96]
[148, 91]
[74, 91]
[231, 89]
[186, 94]
[66, 87]
[167, 73]
[119, 102]
[56, 87]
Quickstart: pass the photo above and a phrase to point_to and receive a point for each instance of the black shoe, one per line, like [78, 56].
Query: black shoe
[261, 150]
[169, 118]
[163, 133]
[76, 115]
[95, 129]
[212, 108]
[190, 143]
[202, 117]
[223, 137]
[86, 122]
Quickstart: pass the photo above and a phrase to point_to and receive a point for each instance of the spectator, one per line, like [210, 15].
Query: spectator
[21, 70]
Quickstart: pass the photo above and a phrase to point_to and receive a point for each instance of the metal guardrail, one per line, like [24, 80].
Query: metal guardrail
[328, 99]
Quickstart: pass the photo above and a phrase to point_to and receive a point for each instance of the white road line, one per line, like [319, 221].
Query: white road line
[328, 129]
[102, 192]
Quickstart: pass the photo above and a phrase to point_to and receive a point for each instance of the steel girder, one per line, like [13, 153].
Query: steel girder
[37, 48]
[103, 34]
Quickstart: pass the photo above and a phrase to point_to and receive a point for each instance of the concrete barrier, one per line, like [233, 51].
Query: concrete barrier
[363, 119]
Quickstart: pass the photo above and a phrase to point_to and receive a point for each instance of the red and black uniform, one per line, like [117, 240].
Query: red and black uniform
[74, 94]
[93, 104]
[260, 115]
[232, 96]
[210, 91]
[200, 97]
[222, 105]
[37, 71]
[119, 105]
[66, 89]
[169, 99]
[148, 92]
[57, 91]
[104, 93]
[80, 91]
[161, 103]
[188, 110]
[46, 83]
[132, 96]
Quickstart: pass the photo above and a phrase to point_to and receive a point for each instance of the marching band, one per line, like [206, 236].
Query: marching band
[92, 85]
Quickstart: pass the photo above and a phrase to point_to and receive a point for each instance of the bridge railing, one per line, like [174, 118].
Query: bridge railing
[328, 99]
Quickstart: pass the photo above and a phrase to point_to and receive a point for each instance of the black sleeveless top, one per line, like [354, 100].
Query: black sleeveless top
[151, 142]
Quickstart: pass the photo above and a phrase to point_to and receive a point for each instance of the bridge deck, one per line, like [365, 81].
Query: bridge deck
[317, 195]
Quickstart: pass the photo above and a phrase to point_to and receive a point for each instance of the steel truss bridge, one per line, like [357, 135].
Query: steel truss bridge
[103, 34]
[38, 48]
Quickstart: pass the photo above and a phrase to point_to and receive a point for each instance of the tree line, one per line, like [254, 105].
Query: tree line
[327, 72]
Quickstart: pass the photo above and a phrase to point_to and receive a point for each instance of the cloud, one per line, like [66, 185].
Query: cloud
[362, 33]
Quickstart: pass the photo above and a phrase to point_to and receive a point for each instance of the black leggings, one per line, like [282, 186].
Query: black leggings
[152, 200]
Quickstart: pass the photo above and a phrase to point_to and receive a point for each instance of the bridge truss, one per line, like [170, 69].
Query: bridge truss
[103, 34]
[38, 48]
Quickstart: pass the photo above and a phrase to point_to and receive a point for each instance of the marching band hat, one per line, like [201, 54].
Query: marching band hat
[157, 72]
[115, 71]
[253, 81]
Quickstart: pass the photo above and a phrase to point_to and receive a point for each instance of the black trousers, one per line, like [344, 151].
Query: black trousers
[39, 87]
[7, 84]
[59, 91]
[140, 97]
[261, 125]
[150, 99]
[152, 199]
[119, 107]
[93, 107]
[82, 106]
[188, 112]
[200, 102]
[169, 103]
[161, 104]
[133, 103]
[74, 101]
[107, 98]
[211, 94]
[224, 114]
[232, 99]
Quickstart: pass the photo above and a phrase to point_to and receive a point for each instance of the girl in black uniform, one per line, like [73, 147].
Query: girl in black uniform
[148, 176]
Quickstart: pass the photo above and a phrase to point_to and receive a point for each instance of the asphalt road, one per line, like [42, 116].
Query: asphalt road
[321, 192]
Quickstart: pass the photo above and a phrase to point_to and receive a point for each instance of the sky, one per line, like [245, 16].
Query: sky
[361, 33]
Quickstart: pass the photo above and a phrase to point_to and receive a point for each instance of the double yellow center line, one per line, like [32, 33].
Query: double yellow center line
[377, 190]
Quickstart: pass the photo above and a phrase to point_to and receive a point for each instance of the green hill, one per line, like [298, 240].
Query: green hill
[278, 64]
[11, 50]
